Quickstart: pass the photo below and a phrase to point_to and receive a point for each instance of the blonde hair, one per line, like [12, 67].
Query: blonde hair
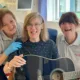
[28, 18]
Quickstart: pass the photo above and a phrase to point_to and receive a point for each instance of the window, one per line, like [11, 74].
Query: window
[24, 4]
[55, 8]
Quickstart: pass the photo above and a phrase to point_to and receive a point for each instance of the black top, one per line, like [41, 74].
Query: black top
[2, 74]
[46, 49]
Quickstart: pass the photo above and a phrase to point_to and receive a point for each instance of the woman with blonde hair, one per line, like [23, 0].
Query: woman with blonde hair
[35, 41]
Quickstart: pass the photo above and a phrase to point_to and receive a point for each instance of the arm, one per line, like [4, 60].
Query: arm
[9, 68]
[13, 47]
[17, 61]
[3, 57]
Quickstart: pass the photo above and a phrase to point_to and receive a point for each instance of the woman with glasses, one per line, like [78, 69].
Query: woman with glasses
[34, 41]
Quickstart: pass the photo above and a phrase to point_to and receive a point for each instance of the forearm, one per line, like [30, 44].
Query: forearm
[3, 57]
[8, 68]
[9, 71]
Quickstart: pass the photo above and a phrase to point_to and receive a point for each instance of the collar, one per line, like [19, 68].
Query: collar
[76, 42]
[4, 37]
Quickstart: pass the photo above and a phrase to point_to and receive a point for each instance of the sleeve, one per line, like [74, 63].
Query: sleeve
[2, 74]
[54, 51]
[11, 56]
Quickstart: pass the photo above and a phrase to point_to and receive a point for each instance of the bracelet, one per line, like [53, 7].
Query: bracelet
[7, 74]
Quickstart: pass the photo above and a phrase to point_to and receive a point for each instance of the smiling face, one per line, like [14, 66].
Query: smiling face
[68, 24]
[68, 29]
[34, 29]
[9, 24]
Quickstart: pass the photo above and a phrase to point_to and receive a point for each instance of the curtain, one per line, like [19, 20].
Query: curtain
[42, 7]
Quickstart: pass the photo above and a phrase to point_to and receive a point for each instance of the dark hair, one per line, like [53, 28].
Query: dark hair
[69, 17]
[3, 12]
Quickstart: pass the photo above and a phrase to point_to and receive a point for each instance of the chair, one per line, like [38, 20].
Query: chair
[52, 34]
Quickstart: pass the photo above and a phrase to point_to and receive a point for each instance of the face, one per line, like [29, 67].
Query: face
[34, 29]
[68, 29]
[9, 24]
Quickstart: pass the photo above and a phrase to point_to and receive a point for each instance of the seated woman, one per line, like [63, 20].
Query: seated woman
[34, 41]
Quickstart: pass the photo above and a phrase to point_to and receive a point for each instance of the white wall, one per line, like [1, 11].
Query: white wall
[20, 15]
[54, 25]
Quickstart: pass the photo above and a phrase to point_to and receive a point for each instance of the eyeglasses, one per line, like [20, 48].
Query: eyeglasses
[36, 25]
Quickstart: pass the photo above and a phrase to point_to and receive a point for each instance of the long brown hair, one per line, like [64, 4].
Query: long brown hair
[28, 18]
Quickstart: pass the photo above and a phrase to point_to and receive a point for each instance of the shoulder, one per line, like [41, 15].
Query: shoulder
[60, 37]
[78, 38]
[19, 40]
[78, 33]
[0, 35]
[51, 42]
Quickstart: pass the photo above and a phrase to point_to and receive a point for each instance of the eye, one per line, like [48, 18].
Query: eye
[29, 24]
[11, 21]
[37, 24]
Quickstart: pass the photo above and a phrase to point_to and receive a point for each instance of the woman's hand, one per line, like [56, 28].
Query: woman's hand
[13, 47]
[6, 69]
[17, 61]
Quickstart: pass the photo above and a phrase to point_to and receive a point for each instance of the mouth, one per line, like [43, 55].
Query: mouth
[33, 32]
[68, 30]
